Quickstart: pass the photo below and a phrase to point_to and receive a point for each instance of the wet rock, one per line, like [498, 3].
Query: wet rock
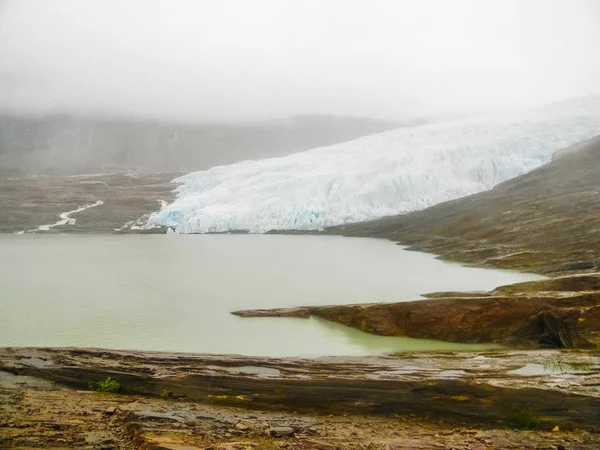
[584, 265]
[281, 432]
[137, 427]
[110, 410]
[486, 393]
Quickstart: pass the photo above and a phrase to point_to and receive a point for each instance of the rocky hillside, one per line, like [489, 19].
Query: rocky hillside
[546, 221]
[36, 201]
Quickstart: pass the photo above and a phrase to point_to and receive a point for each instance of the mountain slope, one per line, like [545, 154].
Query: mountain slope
[393, 172]
[66, 145]
[547, 220]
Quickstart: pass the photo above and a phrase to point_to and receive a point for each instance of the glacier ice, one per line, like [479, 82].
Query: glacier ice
[394, 172]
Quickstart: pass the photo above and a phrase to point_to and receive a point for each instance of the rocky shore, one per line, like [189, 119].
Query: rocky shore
[495, 399]
[562, 312]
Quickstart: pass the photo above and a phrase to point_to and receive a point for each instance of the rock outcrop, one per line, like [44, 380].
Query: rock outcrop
[522, 322]
[562, 312]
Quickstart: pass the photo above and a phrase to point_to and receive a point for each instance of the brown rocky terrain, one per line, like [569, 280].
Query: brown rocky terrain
[28, 202]
[546, 221]
[411, 401]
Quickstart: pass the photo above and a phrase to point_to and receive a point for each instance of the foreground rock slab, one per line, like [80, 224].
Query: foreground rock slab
[45, 415]
[446, 400]
[554, 387]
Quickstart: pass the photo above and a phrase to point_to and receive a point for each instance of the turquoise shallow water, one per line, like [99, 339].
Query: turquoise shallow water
[175, 292]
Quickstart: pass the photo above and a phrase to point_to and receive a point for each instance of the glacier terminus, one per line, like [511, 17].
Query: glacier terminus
[383, 174]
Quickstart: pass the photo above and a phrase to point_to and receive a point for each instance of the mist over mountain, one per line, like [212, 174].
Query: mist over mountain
[66, 144]
[184, 85]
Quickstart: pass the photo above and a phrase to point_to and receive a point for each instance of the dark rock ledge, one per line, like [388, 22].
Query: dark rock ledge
[562, 312]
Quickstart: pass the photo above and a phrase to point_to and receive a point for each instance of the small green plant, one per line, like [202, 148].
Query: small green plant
[108, 385]
[522, 419]
[166, 395]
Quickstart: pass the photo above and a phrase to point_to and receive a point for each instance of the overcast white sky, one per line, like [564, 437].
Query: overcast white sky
[225, 59]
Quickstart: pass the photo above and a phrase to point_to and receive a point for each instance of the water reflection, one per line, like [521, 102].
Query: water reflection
[372, 344]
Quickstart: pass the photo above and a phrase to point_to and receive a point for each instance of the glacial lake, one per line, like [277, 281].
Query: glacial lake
[176, 292]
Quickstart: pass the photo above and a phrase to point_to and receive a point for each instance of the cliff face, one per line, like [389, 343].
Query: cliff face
[546, 221]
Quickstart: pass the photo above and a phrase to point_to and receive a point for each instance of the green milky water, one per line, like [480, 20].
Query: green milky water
[175, 292]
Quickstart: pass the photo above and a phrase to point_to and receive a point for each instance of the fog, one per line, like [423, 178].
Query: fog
[251, 60]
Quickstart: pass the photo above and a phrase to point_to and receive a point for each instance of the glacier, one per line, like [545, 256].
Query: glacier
[383, 174]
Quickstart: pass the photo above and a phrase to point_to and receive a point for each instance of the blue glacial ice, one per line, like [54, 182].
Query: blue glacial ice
[394, 172]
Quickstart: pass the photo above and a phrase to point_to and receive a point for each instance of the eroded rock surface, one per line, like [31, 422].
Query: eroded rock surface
[445, 400]
[419, 383]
